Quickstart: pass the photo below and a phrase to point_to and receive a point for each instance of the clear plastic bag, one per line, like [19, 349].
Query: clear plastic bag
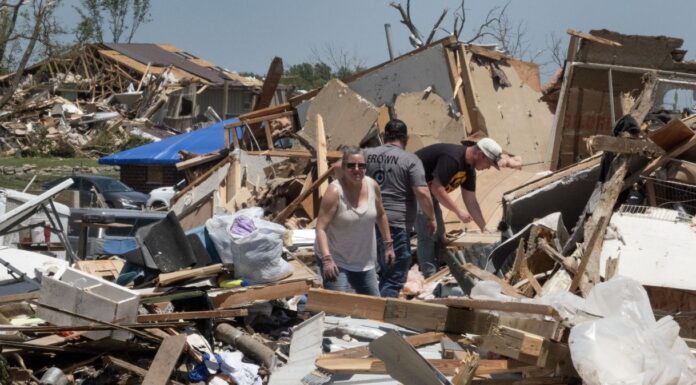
[255, 256]
[627, 346]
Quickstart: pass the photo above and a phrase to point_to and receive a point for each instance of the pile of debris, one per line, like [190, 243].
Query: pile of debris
[100, 98]
[587, 281]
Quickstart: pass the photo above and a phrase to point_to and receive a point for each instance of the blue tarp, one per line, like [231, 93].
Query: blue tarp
[166, 151]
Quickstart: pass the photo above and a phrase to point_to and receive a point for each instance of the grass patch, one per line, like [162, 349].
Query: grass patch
[19, 181]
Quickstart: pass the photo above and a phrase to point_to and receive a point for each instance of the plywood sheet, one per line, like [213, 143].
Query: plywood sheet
[514, 116]
[490, 186]
[428, 119]
[347, 116]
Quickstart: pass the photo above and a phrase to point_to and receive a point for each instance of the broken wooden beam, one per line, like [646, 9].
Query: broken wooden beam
[166, 279]
[507, 306]
[165, 360]
[620, 145]
[446, 367]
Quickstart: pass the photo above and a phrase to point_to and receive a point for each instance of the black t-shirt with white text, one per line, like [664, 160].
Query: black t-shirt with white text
[445, 161]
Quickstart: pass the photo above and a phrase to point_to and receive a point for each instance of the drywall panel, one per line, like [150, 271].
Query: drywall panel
[427, 68]
[567, 195]
[347, 116]
[514, 116]
[428, 119]
[490, 186]
[653, 247]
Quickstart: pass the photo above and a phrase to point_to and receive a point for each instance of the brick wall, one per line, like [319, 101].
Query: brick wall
[136, 176]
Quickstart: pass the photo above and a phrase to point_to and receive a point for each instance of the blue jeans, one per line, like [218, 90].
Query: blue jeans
[362, 282]
[392, 277]
[429, 246]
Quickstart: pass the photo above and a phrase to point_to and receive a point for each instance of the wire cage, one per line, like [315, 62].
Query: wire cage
[674, 195]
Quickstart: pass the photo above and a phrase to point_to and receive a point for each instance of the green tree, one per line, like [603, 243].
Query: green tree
[307, 76]
[26, 27]
[112, 16]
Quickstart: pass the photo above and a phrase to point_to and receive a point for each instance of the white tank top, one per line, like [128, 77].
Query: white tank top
[351, 232]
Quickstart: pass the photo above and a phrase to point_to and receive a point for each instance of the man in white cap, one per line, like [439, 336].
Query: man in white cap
[447, 167]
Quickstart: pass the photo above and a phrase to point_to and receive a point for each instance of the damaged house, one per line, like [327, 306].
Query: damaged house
[116, 90]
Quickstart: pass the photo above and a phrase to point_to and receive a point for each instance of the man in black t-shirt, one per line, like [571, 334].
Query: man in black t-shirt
[447, 167]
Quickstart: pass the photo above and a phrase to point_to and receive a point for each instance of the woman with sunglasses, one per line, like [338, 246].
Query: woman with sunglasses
[345, 243]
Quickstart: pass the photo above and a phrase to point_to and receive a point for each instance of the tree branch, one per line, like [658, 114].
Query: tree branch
[435, 27]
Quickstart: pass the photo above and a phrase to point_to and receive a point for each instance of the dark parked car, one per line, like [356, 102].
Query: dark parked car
[115, 193]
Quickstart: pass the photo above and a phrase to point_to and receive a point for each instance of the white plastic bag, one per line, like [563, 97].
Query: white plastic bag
[627, 346]
[256, 256]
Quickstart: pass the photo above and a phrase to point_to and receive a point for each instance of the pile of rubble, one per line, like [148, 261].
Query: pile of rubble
[97, 99]
[587, 280]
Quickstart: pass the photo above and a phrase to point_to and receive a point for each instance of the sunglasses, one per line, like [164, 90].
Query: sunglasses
[356, 166]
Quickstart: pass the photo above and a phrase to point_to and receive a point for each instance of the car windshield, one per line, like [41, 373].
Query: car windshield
[110, 185]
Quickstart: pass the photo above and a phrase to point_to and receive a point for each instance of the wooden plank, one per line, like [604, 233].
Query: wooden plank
[592, 38]
[201, 159]
[447, 367]
[659, 162]
[269, 135]
[273, 110]
[261, 118]
[671, 135]
[290, 209]
[166, 279]
[330, 155]
[51, 340]
[165, 360]
[189, 315]
[559, 116]
[513, 307]
[270, 83]
[19, 297]
[469, 93]
[110, 360]
[258, 293]
[623, 146]
[457, 82]
[364, 350]
[347, 304]
[322, 165]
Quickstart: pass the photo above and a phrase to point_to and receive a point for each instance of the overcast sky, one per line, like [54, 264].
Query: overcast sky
[244, 35]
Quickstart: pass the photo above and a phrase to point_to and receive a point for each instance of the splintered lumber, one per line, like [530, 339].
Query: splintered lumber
[165, 360]
[290, 209]
[246, 344]
[19, 297]
[468, 268]
[110, 360]
[403, 362]
[189, 315]
[166, 279]
[322, 166]
[466, 371]
[623, 146]
[364, 351]
[518, 345]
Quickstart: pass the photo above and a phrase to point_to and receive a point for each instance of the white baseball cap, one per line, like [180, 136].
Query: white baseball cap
[491, 149]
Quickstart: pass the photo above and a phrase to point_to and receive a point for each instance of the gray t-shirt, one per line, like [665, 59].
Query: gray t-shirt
[397, 172]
